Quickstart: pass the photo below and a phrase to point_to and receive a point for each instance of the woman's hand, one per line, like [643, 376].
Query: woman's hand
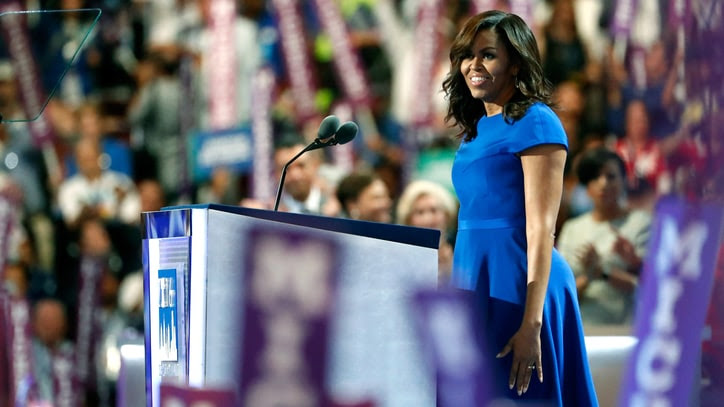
[525, 345]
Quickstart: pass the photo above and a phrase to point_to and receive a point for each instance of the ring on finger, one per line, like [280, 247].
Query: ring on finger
[531, 366]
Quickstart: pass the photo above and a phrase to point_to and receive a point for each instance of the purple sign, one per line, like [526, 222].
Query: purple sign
[67, 394]
[288, 293]
[449, 332]
[623, 17]
[91, 268]
[184, 396]
[261, 129]
[428, 40]
[4, 357]
[222, 64]
[296, 59]
[676, 282]
[679, 13]
[21, 353]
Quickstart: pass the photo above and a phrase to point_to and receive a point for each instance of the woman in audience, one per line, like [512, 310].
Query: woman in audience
[605, 247]
[426, 204]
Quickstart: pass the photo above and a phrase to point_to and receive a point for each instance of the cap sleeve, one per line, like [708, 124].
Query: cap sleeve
[540, 125]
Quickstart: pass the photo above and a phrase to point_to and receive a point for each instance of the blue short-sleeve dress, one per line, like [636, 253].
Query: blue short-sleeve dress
[490, 258]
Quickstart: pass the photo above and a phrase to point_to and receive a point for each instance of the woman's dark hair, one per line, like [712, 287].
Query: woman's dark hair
[523, 50]
[592, 161]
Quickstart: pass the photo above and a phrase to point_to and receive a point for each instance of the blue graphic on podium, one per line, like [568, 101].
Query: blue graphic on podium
[167, 315]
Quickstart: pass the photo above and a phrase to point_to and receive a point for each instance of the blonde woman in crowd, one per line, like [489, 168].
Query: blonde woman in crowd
[427, 204]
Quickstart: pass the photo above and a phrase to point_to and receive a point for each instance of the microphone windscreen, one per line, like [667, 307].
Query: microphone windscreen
[346, 132]
[328, 127]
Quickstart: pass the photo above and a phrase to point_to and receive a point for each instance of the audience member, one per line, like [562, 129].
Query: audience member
[116, 154]
[301, 192]
[49, 327]
[426, 204]
[641, 153]
[605, 247]
[364, 196]
[97, 192]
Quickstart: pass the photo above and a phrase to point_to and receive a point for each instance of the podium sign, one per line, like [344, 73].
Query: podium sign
[372, 351]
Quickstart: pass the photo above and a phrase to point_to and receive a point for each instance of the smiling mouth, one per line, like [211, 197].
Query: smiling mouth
[478, 80]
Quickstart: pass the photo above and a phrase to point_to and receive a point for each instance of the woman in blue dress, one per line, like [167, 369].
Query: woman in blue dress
[508, 174]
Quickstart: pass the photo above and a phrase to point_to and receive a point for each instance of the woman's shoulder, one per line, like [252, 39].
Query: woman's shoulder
[541, 112]
[539, 125]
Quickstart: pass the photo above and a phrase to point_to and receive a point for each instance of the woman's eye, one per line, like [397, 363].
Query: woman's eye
[488, 55]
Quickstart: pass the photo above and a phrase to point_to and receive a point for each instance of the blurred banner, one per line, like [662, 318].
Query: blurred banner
[88, 328]
[5, 387]
[427, 40]
[222, 64]
[449, 333]
[295, 49]
[232, 149]
[23, 389]
[289, 288]
[674, 293]
[623, 17]
[262, 131]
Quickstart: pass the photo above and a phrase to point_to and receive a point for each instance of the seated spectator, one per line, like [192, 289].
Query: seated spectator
[97, 192]
[426, 204]
[364, 196]
[605, 247]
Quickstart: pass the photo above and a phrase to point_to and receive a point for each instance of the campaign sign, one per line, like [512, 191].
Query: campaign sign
[231, 149]
[289, 288]
[173, 395]
[674, 293]
[450, 338]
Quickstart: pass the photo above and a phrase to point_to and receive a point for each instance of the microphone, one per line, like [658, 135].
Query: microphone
[346, 133]
[330, 133]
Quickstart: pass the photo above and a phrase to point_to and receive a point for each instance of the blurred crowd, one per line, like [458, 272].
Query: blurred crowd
[641, 113]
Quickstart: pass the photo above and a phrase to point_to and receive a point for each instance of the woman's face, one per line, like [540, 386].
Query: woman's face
[488, 70]
[606, 190]
[427, 212]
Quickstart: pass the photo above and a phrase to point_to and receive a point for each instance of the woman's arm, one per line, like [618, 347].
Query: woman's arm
[543, 183]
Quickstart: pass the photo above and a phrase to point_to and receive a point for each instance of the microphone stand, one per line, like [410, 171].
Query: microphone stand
[317, 143]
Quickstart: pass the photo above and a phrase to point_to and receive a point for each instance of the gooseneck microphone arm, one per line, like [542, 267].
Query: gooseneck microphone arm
[313, 146]
[329, 134]
[326, 132]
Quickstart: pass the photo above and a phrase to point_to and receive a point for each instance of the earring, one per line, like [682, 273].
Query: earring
[517, 82]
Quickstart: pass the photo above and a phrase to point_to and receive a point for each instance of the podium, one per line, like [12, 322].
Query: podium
[193, 260]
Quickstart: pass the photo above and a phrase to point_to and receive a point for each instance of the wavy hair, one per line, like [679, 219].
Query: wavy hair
[464, 111]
